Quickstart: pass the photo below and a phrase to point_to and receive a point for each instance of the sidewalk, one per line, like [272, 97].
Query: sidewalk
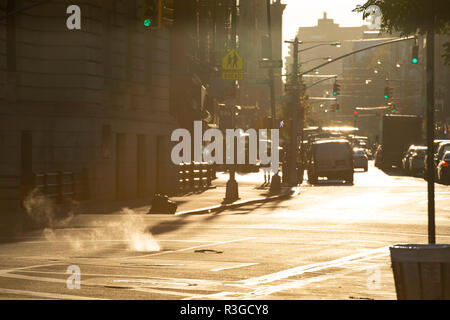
[252, 189]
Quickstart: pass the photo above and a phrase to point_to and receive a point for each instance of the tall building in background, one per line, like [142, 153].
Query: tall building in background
[325, 40]
[325, 32]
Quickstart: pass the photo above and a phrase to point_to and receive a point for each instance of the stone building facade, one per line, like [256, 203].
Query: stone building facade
[94, 99]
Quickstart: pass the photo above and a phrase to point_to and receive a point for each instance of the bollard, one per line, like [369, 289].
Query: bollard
[275, 185]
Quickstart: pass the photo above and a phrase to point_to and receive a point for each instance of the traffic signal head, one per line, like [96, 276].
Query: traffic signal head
[151, 13]
[388, 92]
[336, 89]
[415, 54]
[355, 113]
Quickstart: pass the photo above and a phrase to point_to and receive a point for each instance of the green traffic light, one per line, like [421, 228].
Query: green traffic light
[147, 22]
[415, 60]
[334, 93]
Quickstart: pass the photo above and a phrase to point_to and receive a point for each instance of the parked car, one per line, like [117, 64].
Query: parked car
[437, 143]
[406, 160]
[406, 156]
[332, 159]
[416, 161]
[360, 159]
[441, 150]
[443, 169]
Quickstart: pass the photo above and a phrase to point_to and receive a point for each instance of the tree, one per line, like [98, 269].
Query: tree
[412, 16]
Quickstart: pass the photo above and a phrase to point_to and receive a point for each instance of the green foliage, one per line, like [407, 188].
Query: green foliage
[412, 16]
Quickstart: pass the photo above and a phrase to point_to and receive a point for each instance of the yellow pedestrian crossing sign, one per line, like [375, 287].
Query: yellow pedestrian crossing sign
[232, 66]
[232, 61]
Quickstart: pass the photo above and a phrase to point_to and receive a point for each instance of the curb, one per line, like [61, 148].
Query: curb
[237, 204]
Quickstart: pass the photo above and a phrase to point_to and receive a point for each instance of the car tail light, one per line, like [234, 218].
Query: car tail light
[445, 164]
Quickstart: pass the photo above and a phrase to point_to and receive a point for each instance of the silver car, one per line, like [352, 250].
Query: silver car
[360, 159]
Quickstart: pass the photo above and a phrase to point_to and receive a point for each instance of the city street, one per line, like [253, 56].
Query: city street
[331, 241]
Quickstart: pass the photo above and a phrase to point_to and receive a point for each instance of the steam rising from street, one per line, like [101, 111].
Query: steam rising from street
[128, 227]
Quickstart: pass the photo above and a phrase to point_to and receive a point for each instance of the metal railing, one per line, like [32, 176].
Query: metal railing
[195, 175]
[57, 185]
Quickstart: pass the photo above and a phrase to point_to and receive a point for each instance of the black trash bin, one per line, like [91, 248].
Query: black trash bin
[162, 204]
[421, 271]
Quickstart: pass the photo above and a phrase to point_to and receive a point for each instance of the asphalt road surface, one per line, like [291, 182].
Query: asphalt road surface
[329, 242]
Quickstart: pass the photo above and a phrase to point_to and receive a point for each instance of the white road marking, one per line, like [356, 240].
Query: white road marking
[297, 228]
[314, 267]
[111, 240]
[187, 249]
[168, 292]
[242, 265]
[46, 295]
[32, 278]
[262, 289]
[28, 267]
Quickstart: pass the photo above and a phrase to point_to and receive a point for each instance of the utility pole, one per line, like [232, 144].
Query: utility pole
[430, 130]
[271, 78]
[275, 184]
[296, 106]
[232, 190]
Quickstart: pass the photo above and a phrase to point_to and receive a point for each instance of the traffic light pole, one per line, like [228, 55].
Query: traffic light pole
[430, 135]
[293, 174]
